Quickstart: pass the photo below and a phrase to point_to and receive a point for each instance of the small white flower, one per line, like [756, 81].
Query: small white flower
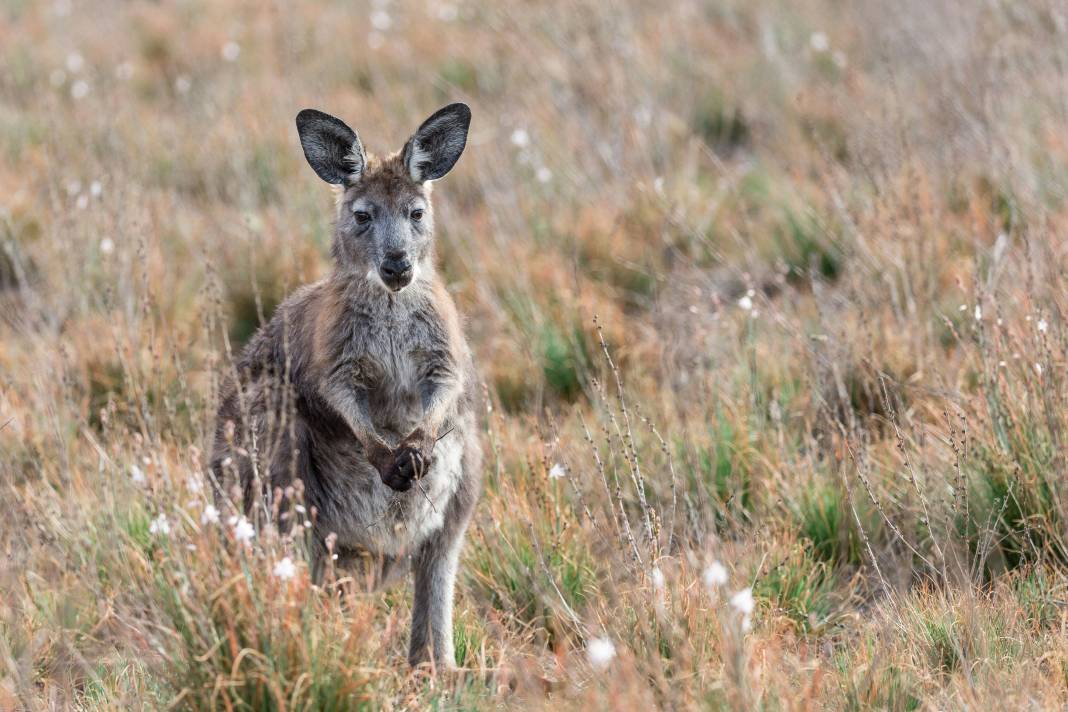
[210, 515]
[557, 471]
[600, 652]
[82, 202]
[96, 188]
[231, 51]
[818, 41]
[978, 313]
[746, 303]
[743, 601]
[182, 84]
[447, 12]
[1042, 325]
[194, 484]
[160, 525]
[107, 245]
[137, 474]
[285, 569]
[243, 529]
[520, 138]
[79, 89]
[544, 175]
[658, 185]
[75, 62]
[658, 578]
[962, 308]
[715, 575]
[381, 21]
[1038, 368]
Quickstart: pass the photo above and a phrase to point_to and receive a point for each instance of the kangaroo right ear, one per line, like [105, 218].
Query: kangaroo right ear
[333, 150]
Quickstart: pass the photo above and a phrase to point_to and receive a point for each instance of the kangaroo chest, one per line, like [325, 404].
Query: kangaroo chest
[393, 354]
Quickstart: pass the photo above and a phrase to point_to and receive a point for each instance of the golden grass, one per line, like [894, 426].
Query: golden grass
[823, 245]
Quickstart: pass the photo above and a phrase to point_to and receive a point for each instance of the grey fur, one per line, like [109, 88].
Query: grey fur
[349, 388]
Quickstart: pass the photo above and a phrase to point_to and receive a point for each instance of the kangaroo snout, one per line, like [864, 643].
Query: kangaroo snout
[396, 271]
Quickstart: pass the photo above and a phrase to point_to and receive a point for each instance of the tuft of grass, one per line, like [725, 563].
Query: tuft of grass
[805, 590]
[719, 123]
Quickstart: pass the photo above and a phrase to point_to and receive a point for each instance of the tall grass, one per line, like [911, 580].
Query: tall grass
[768, 299]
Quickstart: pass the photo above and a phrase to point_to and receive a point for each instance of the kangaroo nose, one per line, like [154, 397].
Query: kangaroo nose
[396, 271]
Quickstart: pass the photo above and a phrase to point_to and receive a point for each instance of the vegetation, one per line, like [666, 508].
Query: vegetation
[769, 301]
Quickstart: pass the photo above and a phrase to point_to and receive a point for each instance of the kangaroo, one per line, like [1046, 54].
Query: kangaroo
[362, 385]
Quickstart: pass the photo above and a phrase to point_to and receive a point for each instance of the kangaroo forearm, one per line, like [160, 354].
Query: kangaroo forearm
[352, 406]
[439, 399]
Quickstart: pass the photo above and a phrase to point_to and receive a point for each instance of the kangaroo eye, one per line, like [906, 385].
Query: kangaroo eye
[362, 217]
[417, 214]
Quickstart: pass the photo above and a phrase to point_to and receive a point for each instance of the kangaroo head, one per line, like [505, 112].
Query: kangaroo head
[385, 224]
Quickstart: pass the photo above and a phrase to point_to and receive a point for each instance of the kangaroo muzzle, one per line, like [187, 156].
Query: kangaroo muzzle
[396, 272]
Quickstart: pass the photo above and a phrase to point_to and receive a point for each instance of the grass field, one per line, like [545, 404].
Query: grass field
[769, 302]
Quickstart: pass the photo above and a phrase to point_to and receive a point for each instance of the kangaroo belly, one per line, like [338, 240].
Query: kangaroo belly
[364, 513]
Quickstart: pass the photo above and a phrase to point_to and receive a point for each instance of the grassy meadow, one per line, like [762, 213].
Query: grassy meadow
[768, 298]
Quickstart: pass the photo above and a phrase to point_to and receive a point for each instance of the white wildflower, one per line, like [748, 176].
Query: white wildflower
[1042, 325]
[96, 188]
[520, 138]
[746, 303]
[79, 89]
[978, 313]
[715, 575]
[137, 475]
[243, 529]
[657, 577]
[231, 51]
[557, 471]
[600, 652]
[75, 62]
[381, 21]
[1038, 368]
[447, 12]
[818, 41]
[182, 84]
[160, 525]
[743, 601]
[107, 246]
[285, 569]
[210, 515]
[82, 202]
[544, 175]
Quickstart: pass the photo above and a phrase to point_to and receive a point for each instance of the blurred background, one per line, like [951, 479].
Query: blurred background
[823, 245]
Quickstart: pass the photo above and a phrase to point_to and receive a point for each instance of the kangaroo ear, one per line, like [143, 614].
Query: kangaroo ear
[436, 146]
[333, 149]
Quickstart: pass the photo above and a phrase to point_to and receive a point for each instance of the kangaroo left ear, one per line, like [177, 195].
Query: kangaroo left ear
[436, 146]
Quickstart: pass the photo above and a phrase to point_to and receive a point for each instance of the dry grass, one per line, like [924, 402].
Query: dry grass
[824, 245]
